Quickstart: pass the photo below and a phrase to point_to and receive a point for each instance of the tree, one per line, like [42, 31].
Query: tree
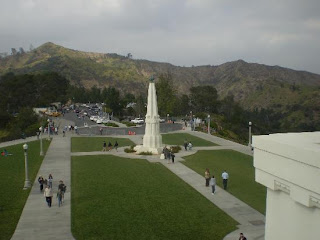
[140, 107]
[21, 50]
[166, 94]
[13, 51]
[112, 99]
[204, 99]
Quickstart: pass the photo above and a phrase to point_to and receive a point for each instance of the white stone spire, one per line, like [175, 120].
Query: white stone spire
[152, 140]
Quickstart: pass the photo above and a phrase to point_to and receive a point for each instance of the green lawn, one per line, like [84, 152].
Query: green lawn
[179, 138]
[241, 181]
[12, 176]
[91, 144]
[119, 198]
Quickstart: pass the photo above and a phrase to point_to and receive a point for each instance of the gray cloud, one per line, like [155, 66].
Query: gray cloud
[182, 32]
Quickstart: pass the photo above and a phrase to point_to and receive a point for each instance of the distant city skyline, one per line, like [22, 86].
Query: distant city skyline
[180, 32]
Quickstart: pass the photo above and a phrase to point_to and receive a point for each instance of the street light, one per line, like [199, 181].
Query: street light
[27, 183]
[41, 148]
[208, 124]
[48, 129]
[250, 137]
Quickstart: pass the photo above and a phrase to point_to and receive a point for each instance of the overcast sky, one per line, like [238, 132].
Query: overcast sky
[181, 32]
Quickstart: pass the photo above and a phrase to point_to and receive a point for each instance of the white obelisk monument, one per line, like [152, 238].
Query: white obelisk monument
[152, 140]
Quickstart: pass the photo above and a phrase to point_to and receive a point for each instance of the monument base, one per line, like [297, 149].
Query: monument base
[141, 148]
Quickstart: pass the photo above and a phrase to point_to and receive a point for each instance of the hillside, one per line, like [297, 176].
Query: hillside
[253, 85]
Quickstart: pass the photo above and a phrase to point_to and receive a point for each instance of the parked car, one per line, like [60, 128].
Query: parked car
[162, 120]
[137, 121]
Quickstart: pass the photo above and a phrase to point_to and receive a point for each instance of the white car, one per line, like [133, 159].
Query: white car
[162, 120]
[94, 118]
[137, 121]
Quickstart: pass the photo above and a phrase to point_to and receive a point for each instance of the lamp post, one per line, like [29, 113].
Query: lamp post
[250, 137]
[48, 129]
[208, 124]
[27, 183]
[41, 148]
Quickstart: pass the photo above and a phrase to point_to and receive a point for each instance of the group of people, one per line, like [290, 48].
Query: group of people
[211, 181]
[70, 128]
[168, 154]
[187, 145]
[48, 192]
[104, 148]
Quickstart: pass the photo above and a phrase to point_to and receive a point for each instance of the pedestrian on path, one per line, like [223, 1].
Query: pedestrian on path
[207, 176]
[172, 157]
[100, 131]
[213, 184]
[50, 180]
[59, 197]
[225, 177]
[168, 156]
[190, 146]
[48, 195]
[41, 181]
[242, 237]
[109, 146]
[104, 148]
[185, 144]
[63, 189]
[116, 146]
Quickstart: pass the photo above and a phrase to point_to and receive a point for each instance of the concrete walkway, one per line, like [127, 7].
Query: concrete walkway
[37, 220]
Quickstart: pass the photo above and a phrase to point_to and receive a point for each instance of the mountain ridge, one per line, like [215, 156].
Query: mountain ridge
[241, 79]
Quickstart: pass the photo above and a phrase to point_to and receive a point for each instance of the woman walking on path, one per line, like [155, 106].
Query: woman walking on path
[207, 177]
[213, 184]
[50, 179]
[48, 195]
[41, 181]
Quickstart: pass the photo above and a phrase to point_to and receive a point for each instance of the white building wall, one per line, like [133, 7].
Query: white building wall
[288, 219]
[289, 166]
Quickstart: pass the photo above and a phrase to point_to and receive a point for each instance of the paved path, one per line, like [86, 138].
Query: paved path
[37, 220]
[36, 216]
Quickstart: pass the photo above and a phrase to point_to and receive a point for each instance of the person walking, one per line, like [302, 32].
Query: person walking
[41, 181]
[100, 131]
[207, 176]
[185, 144]
[116, 145]
[109, 146]
[225, 177]
[62, 189]
[59, 197]
[172, 157]
[104, 148]
[50, 180]
[190, 146]
[168, 156]
[48, 195]
[213, 184]
[242, 237]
